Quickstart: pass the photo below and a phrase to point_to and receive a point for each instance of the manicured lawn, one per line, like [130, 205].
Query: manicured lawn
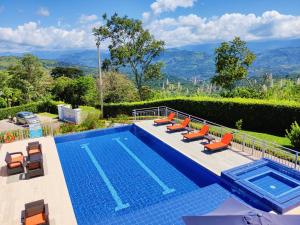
[271, 138]
[50, 115]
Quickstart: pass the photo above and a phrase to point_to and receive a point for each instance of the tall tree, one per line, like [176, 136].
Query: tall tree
[131, 45]
[118, 88]
[29, 76]
[71, 72]
[232, 61]
[79, 91]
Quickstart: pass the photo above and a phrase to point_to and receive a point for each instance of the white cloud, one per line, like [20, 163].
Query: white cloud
[32, 36]
[160, 6]
[43, 12]
[180, 31]
[87, 18]
[193, 29]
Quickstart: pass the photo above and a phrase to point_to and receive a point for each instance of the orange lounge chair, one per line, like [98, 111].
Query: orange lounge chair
[34, 148]
[35, 213]
[197, 135]
[223, 144]
[179, 127]
[14, 163]
[166, 120]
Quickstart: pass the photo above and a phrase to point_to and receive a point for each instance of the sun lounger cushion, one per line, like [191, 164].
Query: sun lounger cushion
[175, 127]
[36, 219]
[216, 145]
[33, 165]
[17, 158]
[165, 120]
[33, 151]
[193, 135]
[14, 165]
[162, 121]
[200, 133]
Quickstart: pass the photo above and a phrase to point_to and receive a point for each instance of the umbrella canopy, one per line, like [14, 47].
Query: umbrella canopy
[234, 212]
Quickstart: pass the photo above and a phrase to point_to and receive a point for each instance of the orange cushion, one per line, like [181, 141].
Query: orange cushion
[193, 135]
[36, 219]
[175, 127]
[33, 165]
[17, 158]
[216, 145]
[34, 151]
[161, 120]
[14, 164]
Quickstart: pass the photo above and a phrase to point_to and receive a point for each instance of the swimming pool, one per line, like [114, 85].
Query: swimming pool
[271, 183]
[126, 176]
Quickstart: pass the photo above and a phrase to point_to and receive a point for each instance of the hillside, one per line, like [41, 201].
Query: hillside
[281, 58]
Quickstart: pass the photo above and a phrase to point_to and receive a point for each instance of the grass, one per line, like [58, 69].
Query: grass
[50, 115]
[284, 141]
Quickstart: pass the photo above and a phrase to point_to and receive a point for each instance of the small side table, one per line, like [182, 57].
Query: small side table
[209, 138]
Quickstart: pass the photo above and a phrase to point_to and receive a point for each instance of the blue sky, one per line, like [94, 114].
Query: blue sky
[52, 24]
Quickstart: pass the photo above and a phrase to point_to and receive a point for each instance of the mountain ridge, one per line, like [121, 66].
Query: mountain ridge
[281, 58]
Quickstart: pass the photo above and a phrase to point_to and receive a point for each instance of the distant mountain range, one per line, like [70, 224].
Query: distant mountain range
[279, 57]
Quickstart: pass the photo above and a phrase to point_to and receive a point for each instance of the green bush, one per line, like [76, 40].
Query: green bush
[239, 124]
[264, 116]
[294, 135]
[68, 128]
[35, 107]
[90, 122]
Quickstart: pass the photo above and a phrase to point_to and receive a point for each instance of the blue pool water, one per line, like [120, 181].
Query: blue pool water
[127, 176]
[274, 185]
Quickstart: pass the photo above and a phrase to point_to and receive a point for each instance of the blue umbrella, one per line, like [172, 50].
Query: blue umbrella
[234, 212]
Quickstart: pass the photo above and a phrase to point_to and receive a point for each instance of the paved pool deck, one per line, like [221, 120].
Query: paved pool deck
[15, 191]
[215, 162]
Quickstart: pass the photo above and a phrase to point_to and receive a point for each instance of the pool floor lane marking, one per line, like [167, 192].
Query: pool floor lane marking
[113, 192]
[166, 189]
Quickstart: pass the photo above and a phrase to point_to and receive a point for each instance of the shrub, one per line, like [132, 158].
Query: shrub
[68, 128]
[239, 124]
[294, 135]
[90, 122]
[244, 92]
[264, 116]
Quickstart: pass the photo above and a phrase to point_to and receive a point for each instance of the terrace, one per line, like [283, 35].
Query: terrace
[58, 186]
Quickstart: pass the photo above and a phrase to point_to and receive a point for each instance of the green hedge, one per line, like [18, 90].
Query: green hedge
[48, 106]
[258, 115]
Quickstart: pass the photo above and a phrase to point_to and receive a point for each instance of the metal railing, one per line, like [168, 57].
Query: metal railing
[244, 143]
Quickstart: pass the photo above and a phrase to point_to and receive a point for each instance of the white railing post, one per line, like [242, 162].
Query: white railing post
[158, 112]
[263, 150]
[166, 111]
[134, 115]
[243, 147]
[296, 160]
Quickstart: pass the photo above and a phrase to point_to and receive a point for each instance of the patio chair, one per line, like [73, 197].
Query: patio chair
[179, 127]
[223, 144]
[35, 213]
[166, 120]
[197, 135]
[14, 163]
[34, 148]
[34, 169]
